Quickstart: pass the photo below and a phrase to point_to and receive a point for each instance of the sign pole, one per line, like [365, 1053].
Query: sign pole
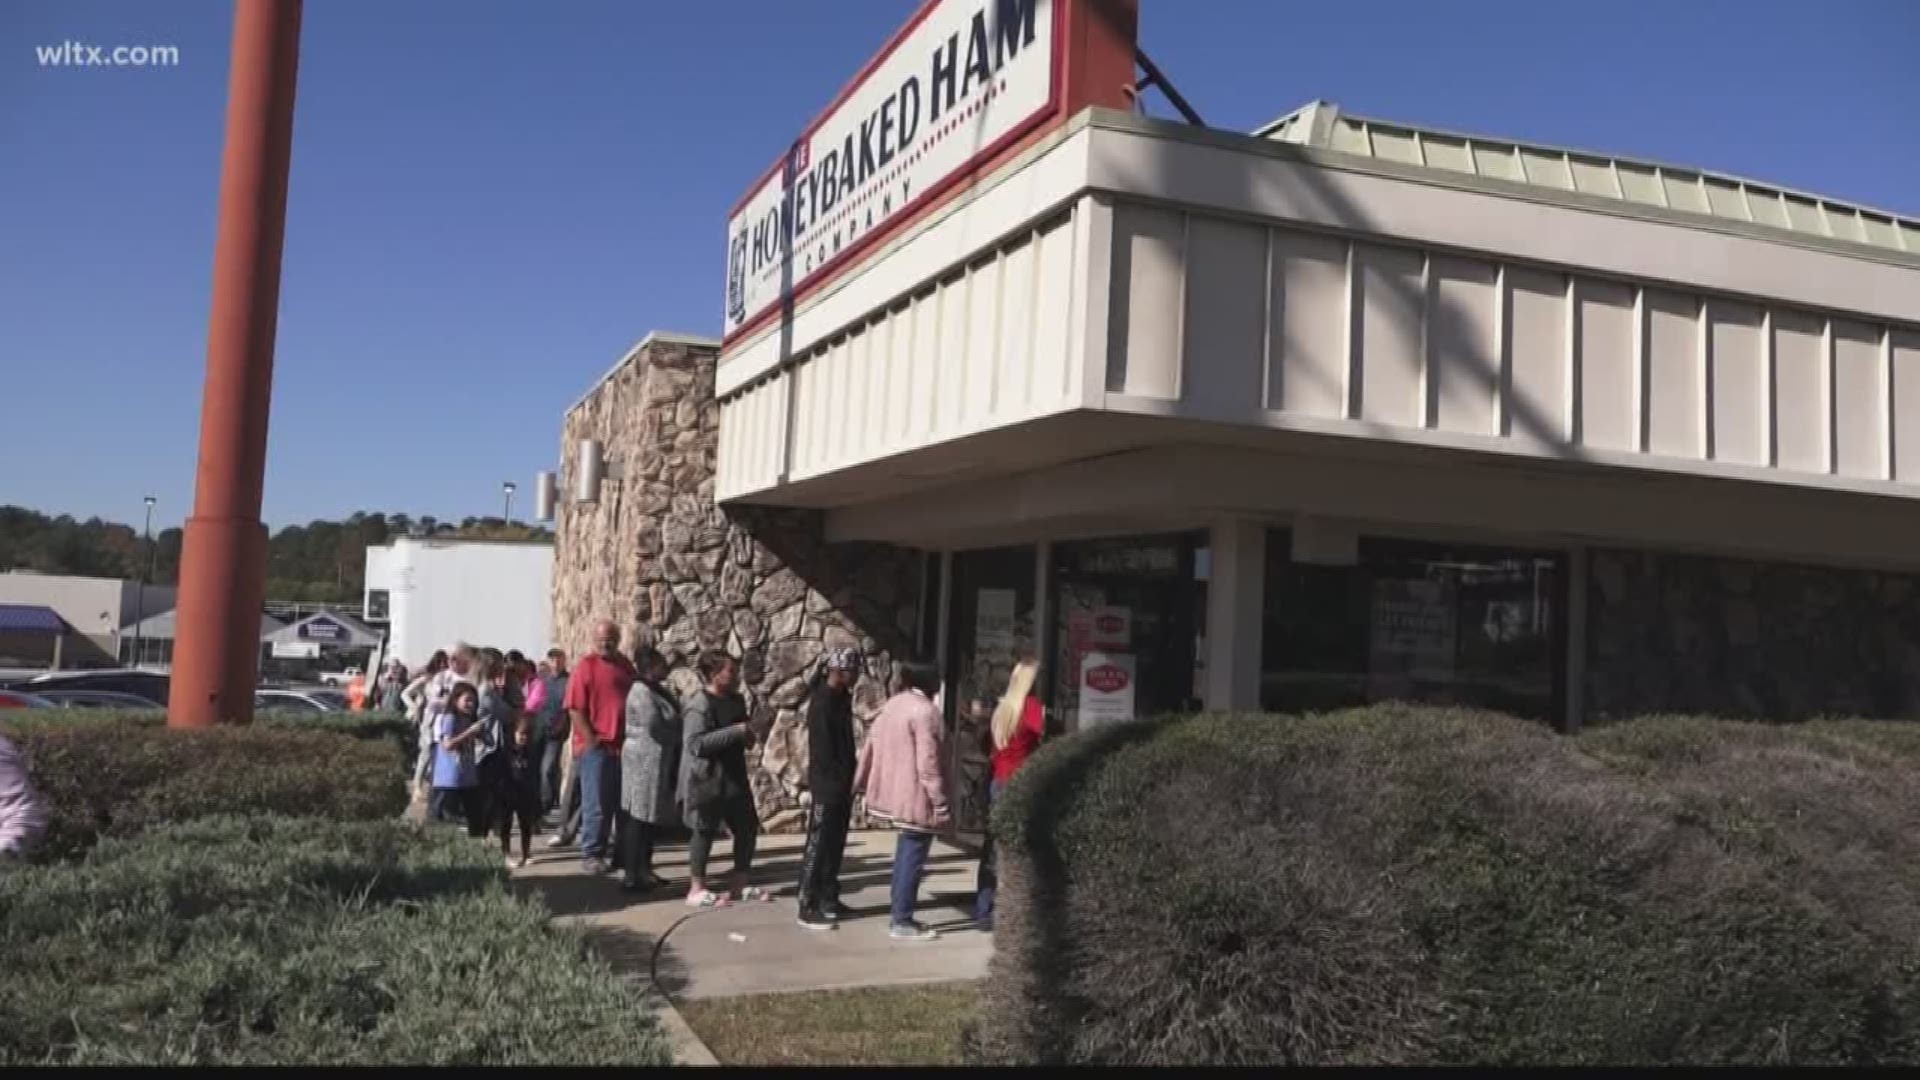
[223, 561]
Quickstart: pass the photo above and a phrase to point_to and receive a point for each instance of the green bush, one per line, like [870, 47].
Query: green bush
[285, 941]
[114, 775]
[1397, 885]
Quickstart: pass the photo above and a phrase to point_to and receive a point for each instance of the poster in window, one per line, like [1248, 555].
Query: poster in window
[993, 622]
[1106, 688]
[1110, 628]
[1412, 629]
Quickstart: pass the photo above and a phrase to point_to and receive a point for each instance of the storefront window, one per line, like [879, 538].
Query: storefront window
[1128, 616]
[990, 624]
[1437, 624]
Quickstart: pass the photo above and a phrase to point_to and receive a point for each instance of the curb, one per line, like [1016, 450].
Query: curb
[687, 1047]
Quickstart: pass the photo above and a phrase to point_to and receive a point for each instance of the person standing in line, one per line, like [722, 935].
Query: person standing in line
[518, 798]
[496, 713]
[23, 817]
[828, 794]
[1019, 721]
[414, 699]
[552, 714]
[714, 789]
[649, 769]
[900, 773]
[393, 682]
[597, 706]
[455, 780]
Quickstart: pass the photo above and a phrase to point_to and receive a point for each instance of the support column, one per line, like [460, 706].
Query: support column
[1236, 601]
[223, 563]
[1576, 667]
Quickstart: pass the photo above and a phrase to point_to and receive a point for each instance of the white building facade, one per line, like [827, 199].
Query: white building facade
[435, 593]
[1345, 410]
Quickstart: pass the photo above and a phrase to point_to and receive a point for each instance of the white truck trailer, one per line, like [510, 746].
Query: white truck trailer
[436, 592]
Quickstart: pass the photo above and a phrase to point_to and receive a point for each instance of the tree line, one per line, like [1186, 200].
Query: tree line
[318, 561]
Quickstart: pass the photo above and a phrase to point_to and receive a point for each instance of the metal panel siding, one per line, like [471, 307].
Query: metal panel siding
[1387, 352]
[1859, 408]
[950, 387]
[984, 282]
[1537, 354]
[1013, 373]
[1225, 324]
[1675, 381]
[1800, 410]
[1906, 404]
[1463, 344]
[1736, 348]
[1308, 357]
[1607, 358]
[1144, 329]
[1053, 310]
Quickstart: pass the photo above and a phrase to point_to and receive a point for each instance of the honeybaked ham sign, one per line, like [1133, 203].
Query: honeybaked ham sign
[960, 82]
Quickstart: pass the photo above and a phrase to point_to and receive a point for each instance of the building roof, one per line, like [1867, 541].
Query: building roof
[160, 627]
[1323, 125]
[30, 619]
[328, 628]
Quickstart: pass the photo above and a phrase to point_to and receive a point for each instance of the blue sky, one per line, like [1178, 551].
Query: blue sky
[491, 200]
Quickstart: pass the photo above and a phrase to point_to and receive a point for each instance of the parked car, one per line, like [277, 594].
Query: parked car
[98, 699]
[150, 686]
[298, 701]
[15, 699]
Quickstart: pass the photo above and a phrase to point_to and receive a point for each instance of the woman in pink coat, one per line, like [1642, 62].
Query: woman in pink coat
[900, 771]
[22, 818]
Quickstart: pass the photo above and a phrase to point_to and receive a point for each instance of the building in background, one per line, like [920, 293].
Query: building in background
[155, 637]
[1338, 411]
[100, 611]
[323, 646]
[33, 637]
[432, 593]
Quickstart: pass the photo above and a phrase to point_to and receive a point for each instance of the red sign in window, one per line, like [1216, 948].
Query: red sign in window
[1107, 679]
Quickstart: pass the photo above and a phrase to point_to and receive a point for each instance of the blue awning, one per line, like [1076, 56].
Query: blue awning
[30, 619]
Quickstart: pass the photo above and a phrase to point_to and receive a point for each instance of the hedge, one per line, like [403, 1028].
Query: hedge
[1396, 885]
[283, 941]
[114, 775]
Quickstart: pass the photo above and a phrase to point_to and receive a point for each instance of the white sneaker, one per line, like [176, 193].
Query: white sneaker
[518, 862]
[706, 898]
[557, 841]
[912, 931]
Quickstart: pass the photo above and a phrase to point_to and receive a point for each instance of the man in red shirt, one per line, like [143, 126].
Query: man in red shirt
[596, 705]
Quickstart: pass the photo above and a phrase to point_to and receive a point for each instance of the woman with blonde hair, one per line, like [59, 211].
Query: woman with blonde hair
[1018, 722]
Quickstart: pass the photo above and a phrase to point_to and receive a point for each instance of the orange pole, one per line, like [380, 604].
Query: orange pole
[216, 659]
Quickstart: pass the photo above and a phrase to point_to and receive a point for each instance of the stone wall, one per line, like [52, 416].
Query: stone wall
[1728, 637]
[675, 571]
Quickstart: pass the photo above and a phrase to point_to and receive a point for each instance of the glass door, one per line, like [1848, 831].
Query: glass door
[990, 625]
[1126, 627]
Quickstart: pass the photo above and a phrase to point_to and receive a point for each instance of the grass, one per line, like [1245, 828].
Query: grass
[895, 1025]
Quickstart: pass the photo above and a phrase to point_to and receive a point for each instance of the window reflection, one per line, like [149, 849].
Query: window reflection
[1429, 623]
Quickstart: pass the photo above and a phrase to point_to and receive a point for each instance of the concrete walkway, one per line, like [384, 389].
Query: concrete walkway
[757, 948]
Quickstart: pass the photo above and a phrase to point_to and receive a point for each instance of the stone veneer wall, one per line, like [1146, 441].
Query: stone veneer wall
[1729, 637]
[674, 570]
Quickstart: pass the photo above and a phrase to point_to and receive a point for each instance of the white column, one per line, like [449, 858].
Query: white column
[1236, 599]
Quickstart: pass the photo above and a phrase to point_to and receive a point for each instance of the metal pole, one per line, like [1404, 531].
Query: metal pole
[223, 561]
[140, 594]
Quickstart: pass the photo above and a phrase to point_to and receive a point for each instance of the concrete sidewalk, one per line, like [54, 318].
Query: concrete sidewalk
[757, 948]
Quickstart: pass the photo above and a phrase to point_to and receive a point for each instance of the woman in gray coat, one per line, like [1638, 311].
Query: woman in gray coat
[714, 787]
[649, 769]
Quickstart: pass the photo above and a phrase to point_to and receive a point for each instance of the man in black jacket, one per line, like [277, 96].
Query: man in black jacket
[830, 762]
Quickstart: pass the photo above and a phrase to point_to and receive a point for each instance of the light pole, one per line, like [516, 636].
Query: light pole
[140, 594]
[507, 488]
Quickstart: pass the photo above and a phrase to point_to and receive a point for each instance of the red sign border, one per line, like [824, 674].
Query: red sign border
[1046, 113]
